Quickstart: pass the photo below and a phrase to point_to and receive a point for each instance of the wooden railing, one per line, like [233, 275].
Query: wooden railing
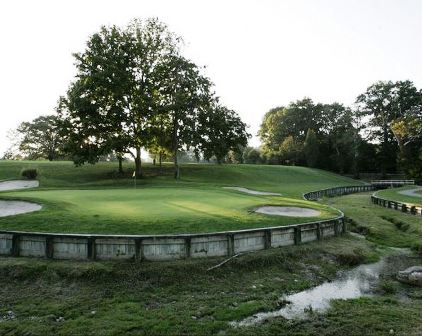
[336, 191]
[392, 183]
[412, 209]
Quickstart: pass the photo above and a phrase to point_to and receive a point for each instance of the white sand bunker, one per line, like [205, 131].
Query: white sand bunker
[18, 184]
[288, 211]
[252, 192]
[10, 208]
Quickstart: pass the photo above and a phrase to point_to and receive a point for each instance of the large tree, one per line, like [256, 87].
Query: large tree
[311, 148]
[183, 95]
[39, 139]
[222, 131]
[333, 130]
[380, 105]
[408, 132]
[111, 104]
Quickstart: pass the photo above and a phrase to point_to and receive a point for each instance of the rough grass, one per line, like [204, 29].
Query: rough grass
[161, 298]
[381, 225]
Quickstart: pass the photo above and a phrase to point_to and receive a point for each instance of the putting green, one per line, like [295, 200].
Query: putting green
[95, 199]
[151, 211]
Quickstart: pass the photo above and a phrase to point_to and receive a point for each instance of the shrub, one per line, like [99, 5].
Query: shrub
[30, 173]
[387, 286]
[417, 247]
[353, 258]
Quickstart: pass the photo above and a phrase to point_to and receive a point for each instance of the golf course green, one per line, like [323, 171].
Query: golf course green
[93, 199]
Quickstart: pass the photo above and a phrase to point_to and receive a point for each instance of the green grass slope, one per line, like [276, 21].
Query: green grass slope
[95, 199]
[291, 181]
[380, 225]
[394, 195]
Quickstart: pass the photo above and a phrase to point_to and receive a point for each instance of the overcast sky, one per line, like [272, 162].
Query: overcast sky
[260, 54]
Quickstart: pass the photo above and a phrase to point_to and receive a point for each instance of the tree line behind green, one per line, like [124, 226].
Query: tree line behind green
[382, 133]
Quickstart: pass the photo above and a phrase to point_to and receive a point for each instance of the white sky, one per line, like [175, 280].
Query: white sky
[260, 54]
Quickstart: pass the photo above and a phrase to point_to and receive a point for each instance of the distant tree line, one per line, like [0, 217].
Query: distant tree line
[382, 133]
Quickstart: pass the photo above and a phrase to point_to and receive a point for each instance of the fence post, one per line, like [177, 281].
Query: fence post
[318, 231]
[297, 235]
[188, 247]
[138, 255]
[92, 253]
[267, 239]
[230, 244]
[15, 245]
[336, 228]
[49, 247]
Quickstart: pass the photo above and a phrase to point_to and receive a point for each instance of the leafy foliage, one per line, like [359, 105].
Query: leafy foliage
[40, 138]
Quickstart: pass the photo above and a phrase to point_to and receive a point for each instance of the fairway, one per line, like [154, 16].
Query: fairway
[396, 195]
[92, 199]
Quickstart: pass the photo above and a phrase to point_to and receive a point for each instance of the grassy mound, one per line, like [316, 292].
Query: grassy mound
[290, 181]
[95, 199]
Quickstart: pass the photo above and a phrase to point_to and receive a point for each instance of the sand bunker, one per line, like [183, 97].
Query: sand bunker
[411, 192]
[10, 208]
[288, 211]
[18, 184]
[253, 192]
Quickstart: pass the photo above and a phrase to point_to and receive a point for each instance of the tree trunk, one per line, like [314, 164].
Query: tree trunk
[138, 167]
[119, 157]
[175, 148]
[160, 162]
[384, 156]
[176, 166]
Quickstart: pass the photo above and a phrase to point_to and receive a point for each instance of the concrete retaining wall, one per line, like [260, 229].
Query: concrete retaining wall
[399, 206]
[160, 247]
[167, 247]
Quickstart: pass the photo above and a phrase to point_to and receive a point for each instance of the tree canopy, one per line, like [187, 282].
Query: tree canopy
[135, 90]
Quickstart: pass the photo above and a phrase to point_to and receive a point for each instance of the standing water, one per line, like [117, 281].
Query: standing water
[352, 284]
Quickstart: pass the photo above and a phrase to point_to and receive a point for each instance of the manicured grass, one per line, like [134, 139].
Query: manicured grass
[394, 195]
[290, 181]
[149, 210]
[95, 199]
[381, 225]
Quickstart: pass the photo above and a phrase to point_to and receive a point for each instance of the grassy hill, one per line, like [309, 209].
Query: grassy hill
[290, 181]
[95, 199]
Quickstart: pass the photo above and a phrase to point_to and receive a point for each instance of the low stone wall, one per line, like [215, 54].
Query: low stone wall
[167, 247]
[399, 206]
[337, 191]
